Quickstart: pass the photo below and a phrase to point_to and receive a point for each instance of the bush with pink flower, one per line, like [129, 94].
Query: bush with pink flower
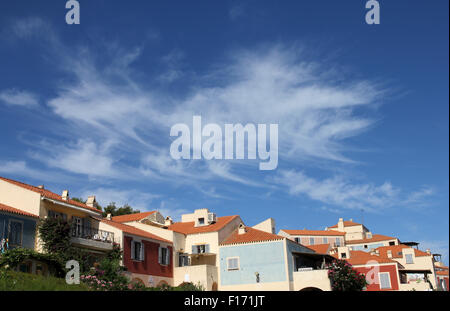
[344, 278]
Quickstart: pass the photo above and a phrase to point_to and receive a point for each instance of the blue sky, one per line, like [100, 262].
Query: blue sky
[362, 109]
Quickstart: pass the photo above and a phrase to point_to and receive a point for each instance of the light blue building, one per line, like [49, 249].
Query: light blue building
[252, 259]
[17, 227]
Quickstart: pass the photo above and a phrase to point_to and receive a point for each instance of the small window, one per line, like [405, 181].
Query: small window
[385, 280]
[311, 241]
[409, 258]
[201, 249]
[325, 240]
[164, 256]
[391, 243]
[15, 233]
[338, 242]
[201, 221]
[297, 240]
[365, 246]
[137, 251]
[343, 255]
[233, 263]
[183, 260]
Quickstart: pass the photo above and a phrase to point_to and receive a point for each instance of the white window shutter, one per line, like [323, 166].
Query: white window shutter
[132, 249]
[142, 251]
[159, 255]
[167, 256]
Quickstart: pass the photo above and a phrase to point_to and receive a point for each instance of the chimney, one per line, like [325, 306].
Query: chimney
[109, 216]
[351, 219]
[242, 229]
[389, 254]
[91, 201]
[341, 225]
[168, 221]
[372, 252]
[428, 251]
[41, 186]
[65, 195]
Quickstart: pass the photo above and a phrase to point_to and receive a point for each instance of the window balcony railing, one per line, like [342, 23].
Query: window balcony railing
[91, 233]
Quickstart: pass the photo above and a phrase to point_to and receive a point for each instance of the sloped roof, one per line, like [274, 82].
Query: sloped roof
[131, 217]
[375, 238]
[363, 258]
[347, 223]
[314, 232]
[251, 235]
[9, 209]
[320, 248]
[396, 249]
[189, 227]
[134, 231]
[50, 195]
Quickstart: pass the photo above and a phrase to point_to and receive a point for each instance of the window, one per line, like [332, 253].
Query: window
[365, 246]
[409, 258]
[325, 240]
[15, 233]
[164, 256]
[53, 214]
[183, 260]
[343, 255]
[297, 240]
[369, 235]
[391, 243]
[137, 250]
[201, 221]
[233, 263]
[385, 280]
[338, 242]
[311, 241]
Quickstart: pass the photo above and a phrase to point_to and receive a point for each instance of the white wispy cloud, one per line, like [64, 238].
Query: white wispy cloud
[14, 97]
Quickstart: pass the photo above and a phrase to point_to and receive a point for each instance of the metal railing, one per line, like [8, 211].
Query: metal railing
[91, 233]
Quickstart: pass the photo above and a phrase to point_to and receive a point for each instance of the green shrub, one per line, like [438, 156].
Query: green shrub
[14, 257]
[19, 281]
[344, 278]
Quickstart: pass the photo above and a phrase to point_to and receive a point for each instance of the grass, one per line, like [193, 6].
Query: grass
[19, 281]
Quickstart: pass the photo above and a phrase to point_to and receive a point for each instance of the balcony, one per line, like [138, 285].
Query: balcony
[306, 278]
[92, 238]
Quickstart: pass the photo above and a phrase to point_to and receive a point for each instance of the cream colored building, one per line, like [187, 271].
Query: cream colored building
[43, 203]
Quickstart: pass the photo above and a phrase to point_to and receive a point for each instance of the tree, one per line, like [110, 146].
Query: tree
[118, 211]
[344, 278]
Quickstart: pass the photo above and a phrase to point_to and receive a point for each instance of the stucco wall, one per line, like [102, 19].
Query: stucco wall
[268, 259]
[28, 226]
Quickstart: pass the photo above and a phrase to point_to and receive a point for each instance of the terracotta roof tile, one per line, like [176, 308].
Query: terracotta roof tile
[134, 231]
[397, 250]
[251, 235]
[314, 232]
[50, 195]
[375, 238]
[363, 258]
[9, 209]
[131, 217]
[320, 248]
[189, 228]
[442, 272]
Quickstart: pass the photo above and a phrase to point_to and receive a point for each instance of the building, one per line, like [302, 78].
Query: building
[146, 257]
[252, 259]
[417, 267]
[17, 227]
[382, 274]
[315, 237]
[42, 203]
[358, 237]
